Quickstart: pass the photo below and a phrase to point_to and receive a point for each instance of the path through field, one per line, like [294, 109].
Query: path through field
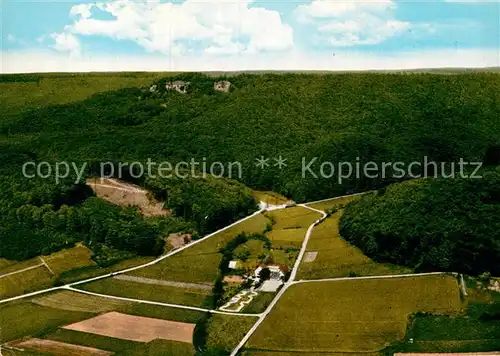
[161, 282]
[22, 270]
[261, 317]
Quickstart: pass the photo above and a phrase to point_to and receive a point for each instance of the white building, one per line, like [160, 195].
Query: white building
[274, 282]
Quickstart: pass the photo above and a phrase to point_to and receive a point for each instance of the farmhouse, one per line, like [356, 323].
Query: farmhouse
[276, 278]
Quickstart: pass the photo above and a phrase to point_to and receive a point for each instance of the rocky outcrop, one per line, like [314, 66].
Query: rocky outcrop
[222, 85]
[178, 85]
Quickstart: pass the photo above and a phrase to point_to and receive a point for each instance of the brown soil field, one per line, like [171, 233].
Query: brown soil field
[135, 328]
[57, 348]
[126, 194]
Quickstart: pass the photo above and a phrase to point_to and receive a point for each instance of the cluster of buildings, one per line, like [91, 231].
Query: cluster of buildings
[272, 284]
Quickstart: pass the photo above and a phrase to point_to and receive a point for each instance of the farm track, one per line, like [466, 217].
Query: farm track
[160, 282]
[142, 301]
[171, 253]
[291, 281]
[22, 270]
[262, 316]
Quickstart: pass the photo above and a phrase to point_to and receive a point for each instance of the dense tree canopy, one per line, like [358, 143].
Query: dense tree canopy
[334, 118]
[431, 224]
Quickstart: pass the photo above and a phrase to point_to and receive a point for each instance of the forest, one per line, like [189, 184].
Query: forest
[431, 224]
[332, 117]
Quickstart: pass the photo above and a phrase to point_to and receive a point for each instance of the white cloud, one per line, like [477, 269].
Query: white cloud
[214, 26]
[11, 37]
[82, 10]
[22, 61]
[65, 42]
[352, 23]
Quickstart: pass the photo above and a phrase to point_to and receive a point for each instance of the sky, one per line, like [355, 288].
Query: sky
[204, 35]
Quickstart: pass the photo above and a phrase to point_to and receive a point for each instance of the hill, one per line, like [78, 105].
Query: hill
[336, 118]
[331, 118]
[431, 224]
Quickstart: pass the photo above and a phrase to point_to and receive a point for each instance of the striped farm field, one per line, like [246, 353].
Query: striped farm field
[122, 347]
[199, 263]
[25, 282]
[287, 237]
[57, 348]
[152, 292]
[74, 301]
[9, 266]
[335, 257]
[289, 226]
[292, 218]
[69, 259]
[363, 315]
[23, 318]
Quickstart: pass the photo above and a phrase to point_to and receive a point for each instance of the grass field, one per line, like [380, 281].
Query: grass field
[337, 258]
[69, 259]
[292, 218]
[64, 88]
[86, 272]
[122, 347]
[259, 303]
[462, 333]
[74, 301]
[287, 237]
[67, 265]
[22, 319]
[333, 203]
[24, 282]
[352, 315]
[289, 228]
[200, 263]
[225, 331]
[157, 293]
[9, 266]
[19, 319]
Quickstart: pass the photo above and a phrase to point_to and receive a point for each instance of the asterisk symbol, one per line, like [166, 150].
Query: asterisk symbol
[280, 162]
[262, 162]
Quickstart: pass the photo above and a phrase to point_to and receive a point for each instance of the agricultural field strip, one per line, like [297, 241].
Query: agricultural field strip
[168, 254]
[389, 276]
[131, 268]
[161, 282]
[22, 270]
[291, 281]
[263, 315]
[142, 301]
